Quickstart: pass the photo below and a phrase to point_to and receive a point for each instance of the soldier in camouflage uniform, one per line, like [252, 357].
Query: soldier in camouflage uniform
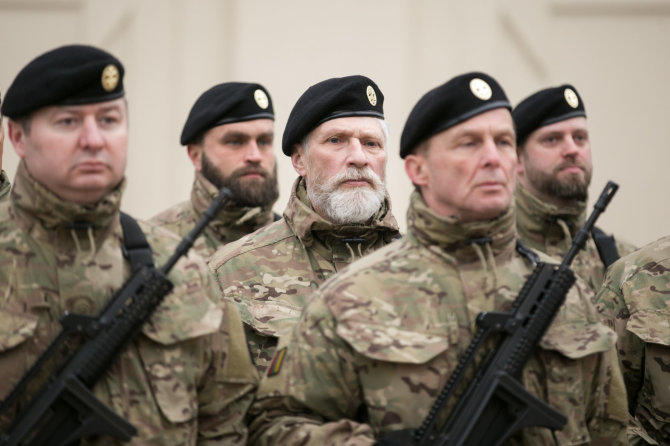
[554, 175]
[634, 299]
[229, 134]
[377, 342]
[338, 211]
[187, 378]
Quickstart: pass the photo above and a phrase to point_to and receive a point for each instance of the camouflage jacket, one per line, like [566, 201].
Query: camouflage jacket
[186, 379]
[231, 223]
[378, 342]
[271, 273]
[5, 185]
[546, 228]
[635, 298]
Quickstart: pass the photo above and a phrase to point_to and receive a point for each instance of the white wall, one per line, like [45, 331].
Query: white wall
[612, 51]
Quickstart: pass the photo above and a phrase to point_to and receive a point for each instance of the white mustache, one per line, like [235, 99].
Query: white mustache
[358, 174]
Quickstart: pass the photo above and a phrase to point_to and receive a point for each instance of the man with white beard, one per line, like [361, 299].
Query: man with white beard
[338, 211]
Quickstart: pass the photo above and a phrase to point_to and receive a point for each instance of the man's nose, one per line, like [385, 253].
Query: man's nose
[91, 136]
[356, 155]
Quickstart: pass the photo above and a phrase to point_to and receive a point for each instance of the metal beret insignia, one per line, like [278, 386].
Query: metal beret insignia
[372, 96]
[571, 97]
[110, 77]
[261, 99]
[481, 89]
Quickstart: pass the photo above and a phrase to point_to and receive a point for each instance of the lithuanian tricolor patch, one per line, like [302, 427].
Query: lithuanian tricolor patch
[277, 362]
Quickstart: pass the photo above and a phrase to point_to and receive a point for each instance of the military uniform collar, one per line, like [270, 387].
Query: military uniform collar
[232, 222]
[33, 199]
[447, 235]
[545, 224]
[326, 237]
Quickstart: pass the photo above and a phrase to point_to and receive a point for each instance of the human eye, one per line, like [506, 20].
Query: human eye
[264, 142]
[581, 137]
[334, 140]
[373, 143]
[66, 121]
[550, 140]
[506, 141]
[467, 142]
[110, 120]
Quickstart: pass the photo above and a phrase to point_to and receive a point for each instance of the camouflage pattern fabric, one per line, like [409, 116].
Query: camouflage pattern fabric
[635, 299]
[270, 274]
[5, 185]
[547, 228]
[231, 223]
[187, 379]
[378, 341]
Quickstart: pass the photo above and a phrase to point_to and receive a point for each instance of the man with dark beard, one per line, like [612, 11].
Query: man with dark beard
[229, 135]
[554, 173]
[338, 211]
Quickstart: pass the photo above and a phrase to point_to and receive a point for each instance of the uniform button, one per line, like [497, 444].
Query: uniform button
[82, 307]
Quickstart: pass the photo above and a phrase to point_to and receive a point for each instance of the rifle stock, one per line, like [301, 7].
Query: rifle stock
[64, 408]
[494, 404]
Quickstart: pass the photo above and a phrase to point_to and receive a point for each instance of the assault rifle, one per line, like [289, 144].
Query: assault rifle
[64, 409]
[495, 405]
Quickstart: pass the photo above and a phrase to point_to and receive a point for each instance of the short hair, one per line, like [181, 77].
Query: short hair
[25, 122]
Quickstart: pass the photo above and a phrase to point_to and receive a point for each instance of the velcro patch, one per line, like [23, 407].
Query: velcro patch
[277, 362]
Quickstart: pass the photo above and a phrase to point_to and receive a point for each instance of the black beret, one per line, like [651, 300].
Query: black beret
[68, 75]
[224, 104]
[458, 100]
[333, 98]
[546, 107]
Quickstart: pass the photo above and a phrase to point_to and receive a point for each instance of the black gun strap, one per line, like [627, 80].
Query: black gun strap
[606, 246]
[136, 248]
[527, 253]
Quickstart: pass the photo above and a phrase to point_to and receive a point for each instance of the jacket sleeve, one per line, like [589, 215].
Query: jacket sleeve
[612, 306]
[607, 410]
[310, 395]
[228, 385]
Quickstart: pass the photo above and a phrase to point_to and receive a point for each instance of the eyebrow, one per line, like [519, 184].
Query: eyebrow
[476, 133]
[365, 133]
[238, 134]
[77, 108]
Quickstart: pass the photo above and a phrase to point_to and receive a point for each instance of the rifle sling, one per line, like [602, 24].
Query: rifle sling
[136, 248]
[606, 246]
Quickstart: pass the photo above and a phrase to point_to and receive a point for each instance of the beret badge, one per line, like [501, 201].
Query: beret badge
[372, 96]
[110, 77]
[481, 89]
[571, 97]
[261, 99]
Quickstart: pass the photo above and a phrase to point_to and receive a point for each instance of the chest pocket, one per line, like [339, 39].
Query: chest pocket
[268, 318]
[557, 371]
[392, 344]
[396, 366]
[653, 328]
[173, 361]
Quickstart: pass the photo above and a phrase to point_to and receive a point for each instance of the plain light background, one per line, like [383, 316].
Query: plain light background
[613, 51]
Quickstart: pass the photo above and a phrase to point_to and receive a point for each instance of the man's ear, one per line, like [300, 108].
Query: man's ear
[298, 159]
[17, 136]
[519, 163]
[195, 154]
[416, 167]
